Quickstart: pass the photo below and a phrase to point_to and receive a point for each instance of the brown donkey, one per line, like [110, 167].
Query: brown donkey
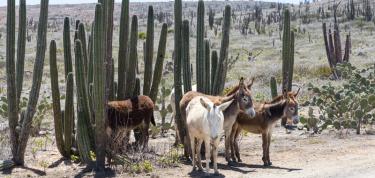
[283, 106]
[129, 114]
[242, 100]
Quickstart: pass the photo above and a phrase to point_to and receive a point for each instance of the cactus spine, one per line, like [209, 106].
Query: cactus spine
[123, 49]
[287, 53]
[149, 50]
[273, 86]
[200, 58]
[185, 56]
[130, 76]
[99, 87]
[84, 131]
[159, 62]
[221, 70]
[20, 137]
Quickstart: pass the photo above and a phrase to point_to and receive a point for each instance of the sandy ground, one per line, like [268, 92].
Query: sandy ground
[293, 155]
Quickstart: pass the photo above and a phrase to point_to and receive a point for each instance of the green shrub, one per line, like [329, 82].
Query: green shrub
[350, 104]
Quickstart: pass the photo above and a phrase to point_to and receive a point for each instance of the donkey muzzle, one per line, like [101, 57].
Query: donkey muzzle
[295, 119]
[250, 112]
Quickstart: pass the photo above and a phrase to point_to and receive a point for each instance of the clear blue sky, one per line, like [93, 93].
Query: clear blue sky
[30, 2]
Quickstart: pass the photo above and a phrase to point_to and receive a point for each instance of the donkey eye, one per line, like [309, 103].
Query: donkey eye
[244, 100]
[292, 109]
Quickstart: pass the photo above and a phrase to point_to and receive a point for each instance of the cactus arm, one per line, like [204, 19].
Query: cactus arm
[200, 64]
[37, 80]
[57, 118]
[207, 66]
[99, 87]
[67, 47]
[123, 49]
[130, 76]
[149, 51]
[186, 56]
[21, 49]
[159, 62]
[10, 70]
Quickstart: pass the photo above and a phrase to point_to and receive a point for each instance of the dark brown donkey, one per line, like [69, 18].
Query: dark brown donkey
[242, 100]
[130, 114]
[283, 106]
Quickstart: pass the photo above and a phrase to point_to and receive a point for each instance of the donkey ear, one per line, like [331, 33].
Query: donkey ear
[205, 104]
[295, 94]
[225, 105]
[251, 83]
[241, 81]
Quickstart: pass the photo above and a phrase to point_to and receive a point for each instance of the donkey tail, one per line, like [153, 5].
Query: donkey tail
[153, 119]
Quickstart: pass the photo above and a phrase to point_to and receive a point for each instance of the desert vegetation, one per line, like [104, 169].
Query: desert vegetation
[105, 89]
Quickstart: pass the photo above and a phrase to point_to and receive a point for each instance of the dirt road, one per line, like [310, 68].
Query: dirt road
[296, 155]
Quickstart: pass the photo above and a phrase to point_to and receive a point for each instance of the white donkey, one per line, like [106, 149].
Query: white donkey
[205, 123]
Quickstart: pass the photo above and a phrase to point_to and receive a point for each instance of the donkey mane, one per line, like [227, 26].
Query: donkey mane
[273, 110]
[233, 90]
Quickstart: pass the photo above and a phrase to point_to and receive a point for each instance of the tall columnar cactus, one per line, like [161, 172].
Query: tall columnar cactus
[21, 43]
[273, 86]
[20, 129]
[159, 62]
[200, 58]
[130, 76]
[108, 6]
[211, 18]
[67, 47]
[99, 87]
[221, 70]
[207, 68]
[82, 38]
[85, 140]
[57, 115]
[186, 56]
[332, 44]
[123, 49]
[177, 74]
[214, 61]
[149, 51]
[69, 114]
[287, 53]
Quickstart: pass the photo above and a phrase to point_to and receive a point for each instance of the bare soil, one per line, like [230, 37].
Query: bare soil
[297, 154]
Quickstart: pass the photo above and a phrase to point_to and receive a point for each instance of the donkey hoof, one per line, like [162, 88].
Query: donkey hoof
[216, 173]
[265, 164]
[270, 163]
[239, 160]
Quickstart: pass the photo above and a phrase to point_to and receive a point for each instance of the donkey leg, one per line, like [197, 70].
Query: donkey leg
[145, 135]
[236, 147]
[264, 146]
[208, 152]
[192, 145]
[268, 149]
[232, 142]
[214, 154]
[199, 146]
[227, 145]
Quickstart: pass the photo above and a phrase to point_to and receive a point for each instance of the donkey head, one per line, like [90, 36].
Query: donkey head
[244, 99]
[215, 115]
[291, 108]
